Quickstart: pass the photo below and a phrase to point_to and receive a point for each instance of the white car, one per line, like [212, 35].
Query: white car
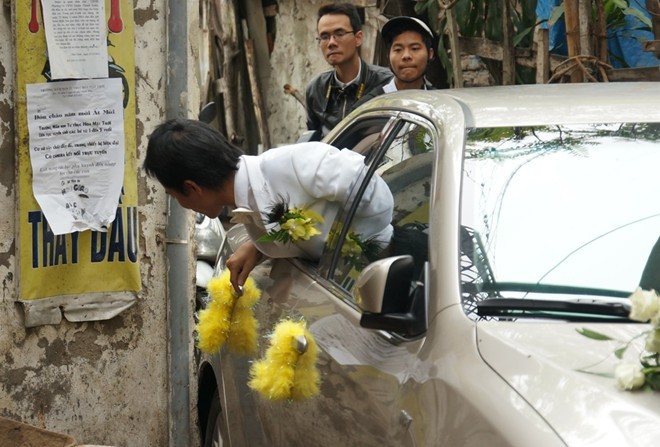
[523, 215]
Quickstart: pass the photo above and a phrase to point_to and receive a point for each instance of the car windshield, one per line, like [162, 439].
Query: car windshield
[567, 212]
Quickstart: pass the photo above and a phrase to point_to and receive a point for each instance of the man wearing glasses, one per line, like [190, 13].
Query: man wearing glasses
[332, 95]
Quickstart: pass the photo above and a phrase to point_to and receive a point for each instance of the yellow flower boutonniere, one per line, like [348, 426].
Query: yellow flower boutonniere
[358, 252]
[355, 251]
[295, 224]
[352, 246]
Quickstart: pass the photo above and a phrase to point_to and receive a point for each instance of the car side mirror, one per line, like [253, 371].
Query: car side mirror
[390, 297]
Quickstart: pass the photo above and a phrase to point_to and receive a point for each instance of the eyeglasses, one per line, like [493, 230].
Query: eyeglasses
[338, 34]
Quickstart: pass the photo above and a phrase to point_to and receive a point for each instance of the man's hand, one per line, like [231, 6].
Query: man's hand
[241, 263]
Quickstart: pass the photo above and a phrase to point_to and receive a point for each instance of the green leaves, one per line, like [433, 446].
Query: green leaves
[521, 35]
[639, 15]
[422, 6]
[594, 335]
[275, 236]
[556, 14]
[619, 352]
[622, 4]
[653, 380]
[616, 10]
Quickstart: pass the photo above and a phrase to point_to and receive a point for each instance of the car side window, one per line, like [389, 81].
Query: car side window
[364, 136]
[404, 161]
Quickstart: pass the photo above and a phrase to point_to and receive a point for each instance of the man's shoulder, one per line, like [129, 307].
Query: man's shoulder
[379, 73]
[297, 158]
[370, 94]
[379, 69]
[296, 149]
[320, 79]
[378, 77]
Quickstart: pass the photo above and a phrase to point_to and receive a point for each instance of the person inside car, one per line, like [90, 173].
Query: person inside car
[204, 172]
[332, 95]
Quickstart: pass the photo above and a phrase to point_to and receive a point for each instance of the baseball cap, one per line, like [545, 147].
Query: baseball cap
[397, 25]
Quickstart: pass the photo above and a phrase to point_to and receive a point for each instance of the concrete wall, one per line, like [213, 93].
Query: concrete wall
[295, 60]
[102, 382]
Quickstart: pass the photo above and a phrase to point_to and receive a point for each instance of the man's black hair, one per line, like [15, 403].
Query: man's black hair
[347, 9]
[183, 149]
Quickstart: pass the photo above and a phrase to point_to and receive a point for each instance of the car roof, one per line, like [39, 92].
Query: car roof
[537, 104]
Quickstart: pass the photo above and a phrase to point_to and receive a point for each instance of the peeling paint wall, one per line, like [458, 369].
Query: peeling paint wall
[102, 382]
[296, 29]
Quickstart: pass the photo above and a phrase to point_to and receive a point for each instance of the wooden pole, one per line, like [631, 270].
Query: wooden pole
[256, 24]
[572, 19]
[584, 13]
[542, 55]
[601, 32]
[225, 28]
[455, 47]
[257, 100]
[508, 52]
[653, 7]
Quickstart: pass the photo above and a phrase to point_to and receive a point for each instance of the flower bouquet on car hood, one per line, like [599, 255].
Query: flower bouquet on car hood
[644, 307]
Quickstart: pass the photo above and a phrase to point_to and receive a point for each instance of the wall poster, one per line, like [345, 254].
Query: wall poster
[77, 162]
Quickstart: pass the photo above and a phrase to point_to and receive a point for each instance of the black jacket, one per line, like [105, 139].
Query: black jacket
[327, 104]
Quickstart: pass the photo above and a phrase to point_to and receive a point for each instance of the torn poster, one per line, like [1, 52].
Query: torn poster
[76, 146]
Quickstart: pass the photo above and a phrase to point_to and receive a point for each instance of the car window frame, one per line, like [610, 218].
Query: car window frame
[397, 120]
[347, 212]
[328, 260]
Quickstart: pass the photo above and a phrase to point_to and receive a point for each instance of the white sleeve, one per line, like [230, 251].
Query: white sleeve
[334, 173]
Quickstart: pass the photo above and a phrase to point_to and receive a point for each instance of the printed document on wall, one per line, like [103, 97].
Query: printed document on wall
[76, 146]
[76, 38]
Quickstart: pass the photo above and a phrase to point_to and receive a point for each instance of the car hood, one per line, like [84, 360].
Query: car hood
[568, 379]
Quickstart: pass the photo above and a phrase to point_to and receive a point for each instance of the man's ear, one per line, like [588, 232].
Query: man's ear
[431, 54]
[358, 37]
[191, 187]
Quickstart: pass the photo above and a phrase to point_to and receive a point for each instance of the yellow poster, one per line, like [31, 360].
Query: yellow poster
[89, 274]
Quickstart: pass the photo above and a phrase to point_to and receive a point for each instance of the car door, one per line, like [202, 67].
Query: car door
[363, 372]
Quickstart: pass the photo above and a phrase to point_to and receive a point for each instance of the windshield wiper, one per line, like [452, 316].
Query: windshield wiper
[550, 309]
[542, 288]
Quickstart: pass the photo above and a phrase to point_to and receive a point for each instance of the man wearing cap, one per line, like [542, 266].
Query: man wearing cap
[332, 95]
[409, 43]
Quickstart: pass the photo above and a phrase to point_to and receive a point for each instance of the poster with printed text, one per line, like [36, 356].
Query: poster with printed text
[76, 144]
[83, 139]
[75, 36]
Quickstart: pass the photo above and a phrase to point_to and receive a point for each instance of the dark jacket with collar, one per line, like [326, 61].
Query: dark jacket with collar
[327, 104]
